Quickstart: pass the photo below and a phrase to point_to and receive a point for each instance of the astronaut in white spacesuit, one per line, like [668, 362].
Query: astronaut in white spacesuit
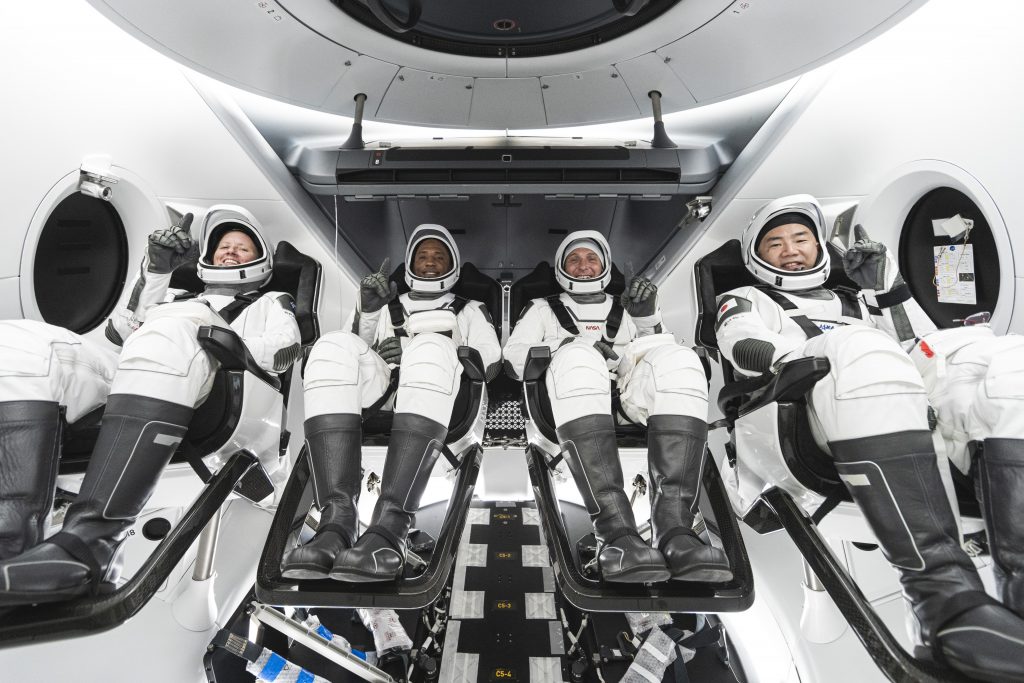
[161, 375]
[871, 412]
[595, 338]
[349, 371]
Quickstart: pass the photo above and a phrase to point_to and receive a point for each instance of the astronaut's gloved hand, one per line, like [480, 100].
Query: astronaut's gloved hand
[606, 350]
[869, 264]
[390, 350]
[172, 247]
[375, 290]
[640, 298]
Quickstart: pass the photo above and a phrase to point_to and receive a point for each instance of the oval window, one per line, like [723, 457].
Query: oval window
[950, 277]
[80, 263]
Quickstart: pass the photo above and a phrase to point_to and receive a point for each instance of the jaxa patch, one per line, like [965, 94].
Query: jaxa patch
[730, 306]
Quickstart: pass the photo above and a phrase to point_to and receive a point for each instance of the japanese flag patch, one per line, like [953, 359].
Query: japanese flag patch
[730, 306]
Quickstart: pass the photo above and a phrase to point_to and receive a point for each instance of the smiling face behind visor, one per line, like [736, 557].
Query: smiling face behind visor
[783, 244]
[432, 261]
[583, 262]
[233, 250]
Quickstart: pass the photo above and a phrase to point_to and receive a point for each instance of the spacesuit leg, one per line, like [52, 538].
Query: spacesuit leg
[342, 376]
[427, 386]
[996, 419]
[42, 368]
[668, 390]
[873, 409]
[579, 391]
[162, 373]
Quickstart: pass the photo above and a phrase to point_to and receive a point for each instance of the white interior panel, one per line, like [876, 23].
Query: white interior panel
[650, 72]
[768, 40]
[10, 304]
[569, 96]
[283, 57]
[515, 101]
[366, 75]
[431, 98]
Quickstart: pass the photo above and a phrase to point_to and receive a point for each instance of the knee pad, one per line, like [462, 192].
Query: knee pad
[167, 346]
[26, 348]
[578, 369]
[997, 408]
[677, 370]
[334, 361]
[430, 362]
[867, 362]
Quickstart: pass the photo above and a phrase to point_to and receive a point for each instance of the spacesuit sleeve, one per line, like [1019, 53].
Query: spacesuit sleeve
[279, 345]
[649, 324]
[905, 321]
[481, 336]
[147, 290]
[748, 332]
[528, 332]
[363, 324]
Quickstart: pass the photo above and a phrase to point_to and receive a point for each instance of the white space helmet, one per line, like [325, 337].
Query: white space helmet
[220, 220]
[443, 283]
[595, 241]
[773, 214]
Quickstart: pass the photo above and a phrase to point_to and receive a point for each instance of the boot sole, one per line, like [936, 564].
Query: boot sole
[351, 575]
[305, 572]
[641, 574]
[705, 574]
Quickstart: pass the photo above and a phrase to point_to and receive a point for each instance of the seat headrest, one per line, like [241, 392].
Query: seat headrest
[294, 273]
[722, 270]
[541, 282]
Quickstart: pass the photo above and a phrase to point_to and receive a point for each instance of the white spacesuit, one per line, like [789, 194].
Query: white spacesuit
[596, 337]
[871, 413]
[161, 375]
[349, 371]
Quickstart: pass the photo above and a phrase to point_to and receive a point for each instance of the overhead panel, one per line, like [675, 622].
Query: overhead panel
[650, 72]
[768, 41]
[279, 56]
[507, 103]
[365, 75]
[427, 98]
[569, 98]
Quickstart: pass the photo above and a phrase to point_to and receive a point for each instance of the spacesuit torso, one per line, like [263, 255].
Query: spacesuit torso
[539, 326]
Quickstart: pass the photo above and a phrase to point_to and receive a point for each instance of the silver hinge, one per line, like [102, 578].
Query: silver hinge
[698, 207]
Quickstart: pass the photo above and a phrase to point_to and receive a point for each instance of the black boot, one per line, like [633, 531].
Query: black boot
[334, 443]
[29, 450]
[379, 554]
[137, 437]
[1001, 481]
[675, 455]
[894, 479]
[593, 458]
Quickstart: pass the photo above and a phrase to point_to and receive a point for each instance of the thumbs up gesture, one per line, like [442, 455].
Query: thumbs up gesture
[375, 290]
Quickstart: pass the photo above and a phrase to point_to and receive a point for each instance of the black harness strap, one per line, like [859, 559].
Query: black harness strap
[564, 318]
[234, 309]
[850, 302]
[809, 328]
[397, 317]
[562, 314]
[611, 326]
